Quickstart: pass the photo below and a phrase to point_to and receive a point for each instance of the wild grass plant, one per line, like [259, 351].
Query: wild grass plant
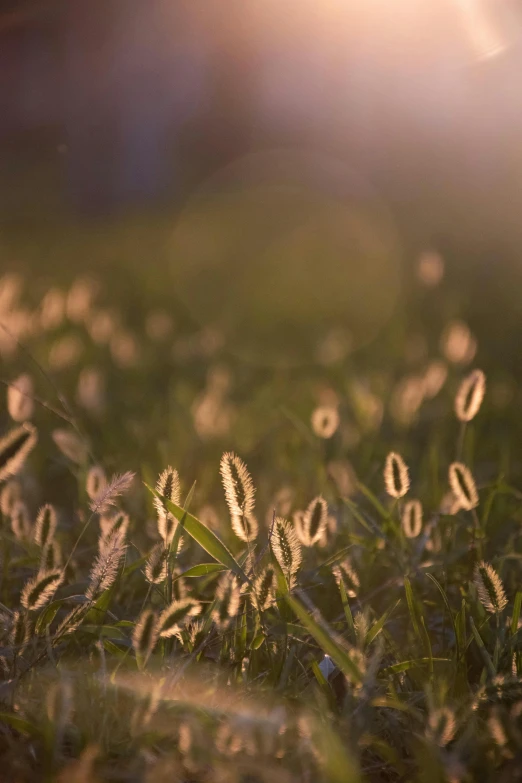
[209, 573]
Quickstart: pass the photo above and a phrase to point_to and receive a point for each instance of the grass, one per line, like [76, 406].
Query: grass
[318, 611]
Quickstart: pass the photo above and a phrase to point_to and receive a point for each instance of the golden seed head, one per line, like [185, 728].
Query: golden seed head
[463, 486]
[470, 395]
[396, 478]
[490, 589]
[412, 518]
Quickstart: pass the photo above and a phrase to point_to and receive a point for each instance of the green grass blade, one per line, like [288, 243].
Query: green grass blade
[203, 569]
[516, 612]
[448, 607]
[482, 647]
[411, 607]
[347, 610]
[202, 535]
[379, 624]
[325, 639]
[368, 494]
[414, 663]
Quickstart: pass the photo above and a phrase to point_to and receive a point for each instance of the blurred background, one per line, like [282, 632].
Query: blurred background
[274, 168]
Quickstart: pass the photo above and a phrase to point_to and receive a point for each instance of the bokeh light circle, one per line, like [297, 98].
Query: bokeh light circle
[282, 248]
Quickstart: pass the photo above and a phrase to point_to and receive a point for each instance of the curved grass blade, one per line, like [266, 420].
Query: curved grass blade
[203, 569]
[516, 612]
[202, 535]
[414, 663]
[379, 624]
[482, 647]
[325, 639]
[448, 607]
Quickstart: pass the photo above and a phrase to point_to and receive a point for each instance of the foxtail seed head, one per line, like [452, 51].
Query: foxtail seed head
[489, 588]
[145, 635]
[176, 615]
[45, 526]
[168, 485]
[265, 587]
[313, 523]
[20, 399]
[226, 601]
[325, 421]
[156, 567]
[96, 481]
[245, 527]
[238, 485]
[412, 518]
[470, 395]
[287, 549]
[463, 486]
[105, 569]
[14, 449]
[39, 590]
[346, 573]
[396, 478]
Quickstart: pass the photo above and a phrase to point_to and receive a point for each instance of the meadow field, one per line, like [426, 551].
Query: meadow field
[265, 547]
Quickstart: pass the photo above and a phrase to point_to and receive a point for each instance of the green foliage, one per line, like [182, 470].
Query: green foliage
[328, 647]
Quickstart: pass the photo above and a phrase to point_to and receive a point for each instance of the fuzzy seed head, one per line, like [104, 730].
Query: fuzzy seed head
[60, 702]
[245, 527]
[344, 571]
[179, 586]
[70, 445]
[20, 399]
[442, 726]
[39, 590]
[470, 395]
[287, 549]
[105, 569]
[10, 494]
[112, 522]
[265, 588]
[325, 421]
[463, 486]
[96, 482]
[145, 634]
[227, 601]
[412, 518]
[313, 522]
[156, 567]
[20, 522]
[168, 485]
[14, 449]
[19, 630]
[496, 729]
[51, 557]
[396, 478]
[238, 485]
[45, 526]
[490, 589]
[175, 616]
[119, 484]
